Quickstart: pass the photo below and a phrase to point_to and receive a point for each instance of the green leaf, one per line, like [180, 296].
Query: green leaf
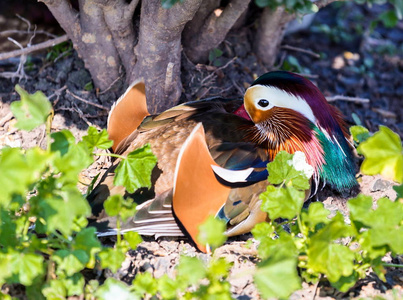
[32, 110]
[277, 277]
[167, 287]
[290, 168]
[57, 209]
[116, 205]
[359, 133]
[211, 232]
[55, 290]
[383, 155]
[112, 258]
[399, 191]
[62, 141]
[69, 261]
[134, 172]
[87, 240]
[26, 266]
[74, 284]
[115, 289]
[97, 139]
[262, 3]
[16, 174]
[192, 269]
[144, 283]
[282, 202]
[327, 257]
[218, 269]
[317, 214]
[389, 18]
[133, 238]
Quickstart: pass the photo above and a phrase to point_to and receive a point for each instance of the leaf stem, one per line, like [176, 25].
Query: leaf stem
[392, 265]
[110, 154]
[49, 121]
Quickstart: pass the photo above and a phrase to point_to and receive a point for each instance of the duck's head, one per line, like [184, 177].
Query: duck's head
[291, 114]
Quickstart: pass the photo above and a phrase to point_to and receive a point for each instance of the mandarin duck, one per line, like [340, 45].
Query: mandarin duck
[212, 154]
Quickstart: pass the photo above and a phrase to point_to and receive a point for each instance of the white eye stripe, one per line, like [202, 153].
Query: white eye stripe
[280, 98]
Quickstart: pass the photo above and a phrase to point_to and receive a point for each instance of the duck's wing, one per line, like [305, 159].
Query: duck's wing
[127, 113]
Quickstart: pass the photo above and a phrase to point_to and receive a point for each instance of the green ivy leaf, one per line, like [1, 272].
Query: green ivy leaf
[26, 266]
[16, 174]
[70, 261]
[282, 202]
[284, 169]
[324, 256]
[399, 191]
[71, 158]
[191, 269]
[112, 258]
[97, 139]
[144, 283]
[134, 172]
[389, 18]
[211, 232]
[317, 214]
[133, 238]
[32, 110]
[116, 205]
[57, 209]
[87, 240]
[383, 155]
[277, 277]
[74, 284]
[55, 289]
[359, 133]
[167, 287]
[114, 289]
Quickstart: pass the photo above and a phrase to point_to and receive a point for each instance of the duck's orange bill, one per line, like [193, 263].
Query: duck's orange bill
[197, 193]
[127, 113]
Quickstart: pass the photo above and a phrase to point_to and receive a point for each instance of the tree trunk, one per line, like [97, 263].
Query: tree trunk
[213, 31]
[270, 32]
[158, 51]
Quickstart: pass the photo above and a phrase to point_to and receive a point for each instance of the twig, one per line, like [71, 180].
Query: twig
[288, 47]
[10, 32]
[87, 102]
[6, 118]
[40, 46]
[316, 288]
[218, 69]
[346, 98]
[111, 85]
[20, 73]
[58, 92]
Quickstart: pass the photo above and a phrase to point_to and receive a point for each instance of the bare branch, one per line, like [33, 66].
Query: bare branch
[87, 102]
[346, 98]
[288, 47]
[10, 32]
[40, 46]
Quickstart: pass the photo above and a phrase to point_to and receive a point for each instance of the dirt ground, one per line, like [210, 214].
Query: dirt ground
[344, 58]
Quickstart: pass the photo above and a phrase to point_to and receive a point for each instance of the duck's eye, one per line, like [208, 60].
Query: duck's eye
[263, 103]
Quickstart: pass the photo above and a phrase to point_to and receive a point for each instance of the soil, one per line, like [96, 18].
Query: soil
[354, 61]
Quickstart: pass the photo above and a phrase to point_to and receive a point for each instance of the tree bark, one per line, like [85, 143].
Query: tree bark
[214, 30]
[91, 38]
[119, 18]
[158, 51]
[271, 29]
[270, 33]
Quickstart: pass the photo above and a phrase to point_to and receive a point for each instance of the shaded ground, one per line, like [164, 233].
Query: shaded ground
[354, 61]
